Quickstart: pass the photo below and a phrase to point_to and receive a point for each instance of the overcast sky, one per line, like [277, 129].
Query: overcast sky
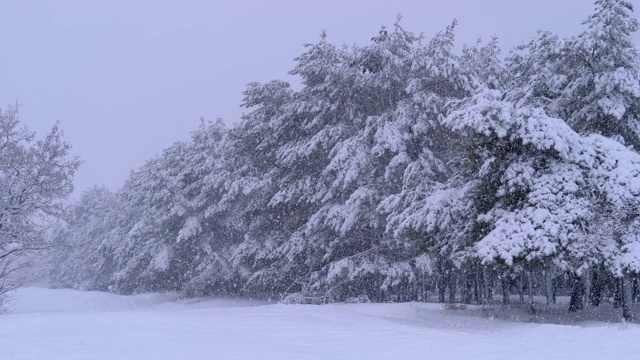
[128, 78]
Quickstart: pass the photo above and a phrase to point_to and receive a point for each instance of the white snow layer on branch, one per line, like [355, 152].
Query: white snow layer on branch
[559, 195]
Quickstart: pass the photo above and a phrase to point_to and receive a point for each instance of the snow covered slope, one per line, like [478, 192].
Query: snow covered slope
[66, 324]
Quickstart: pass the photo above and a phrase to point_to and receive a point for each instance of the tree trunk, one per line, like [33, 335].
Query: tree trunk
[521, 287]
[627, 289]
[548, 283]
[596, 287]
[588, 286]
[478, 290]
[635, 296]
[488, 284]
[468, 286]
[421, 288]
[442, 286]
[577, 294]
[530, 276]
[617, 296]
[452, 286]
[505, 288]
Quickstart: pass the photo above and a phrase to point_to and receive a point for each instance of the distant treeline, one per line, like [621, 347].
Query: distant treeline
[400, 170]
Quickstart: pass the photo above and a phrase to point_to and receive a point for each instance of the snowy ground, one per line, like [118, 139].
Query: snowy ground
[67, 324]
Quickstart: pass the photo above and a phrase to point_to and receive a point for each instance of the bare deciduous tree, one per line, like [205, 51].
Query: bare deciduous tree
[35, 176]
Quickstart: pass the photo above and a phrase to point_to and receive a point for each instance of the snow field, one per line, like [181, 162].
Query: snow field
[67, 324]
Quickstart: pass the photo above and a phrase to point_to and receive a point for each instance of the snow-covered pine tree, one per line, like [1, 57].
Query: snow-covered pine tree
[79, 252]
[318, 117]
[149, 257]
[210, 226]
[591, 80]
[538, 71]
[253, 154]
[347, 230]
[541, 185]
[427, 161]
[484, 61]
[603, 86]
